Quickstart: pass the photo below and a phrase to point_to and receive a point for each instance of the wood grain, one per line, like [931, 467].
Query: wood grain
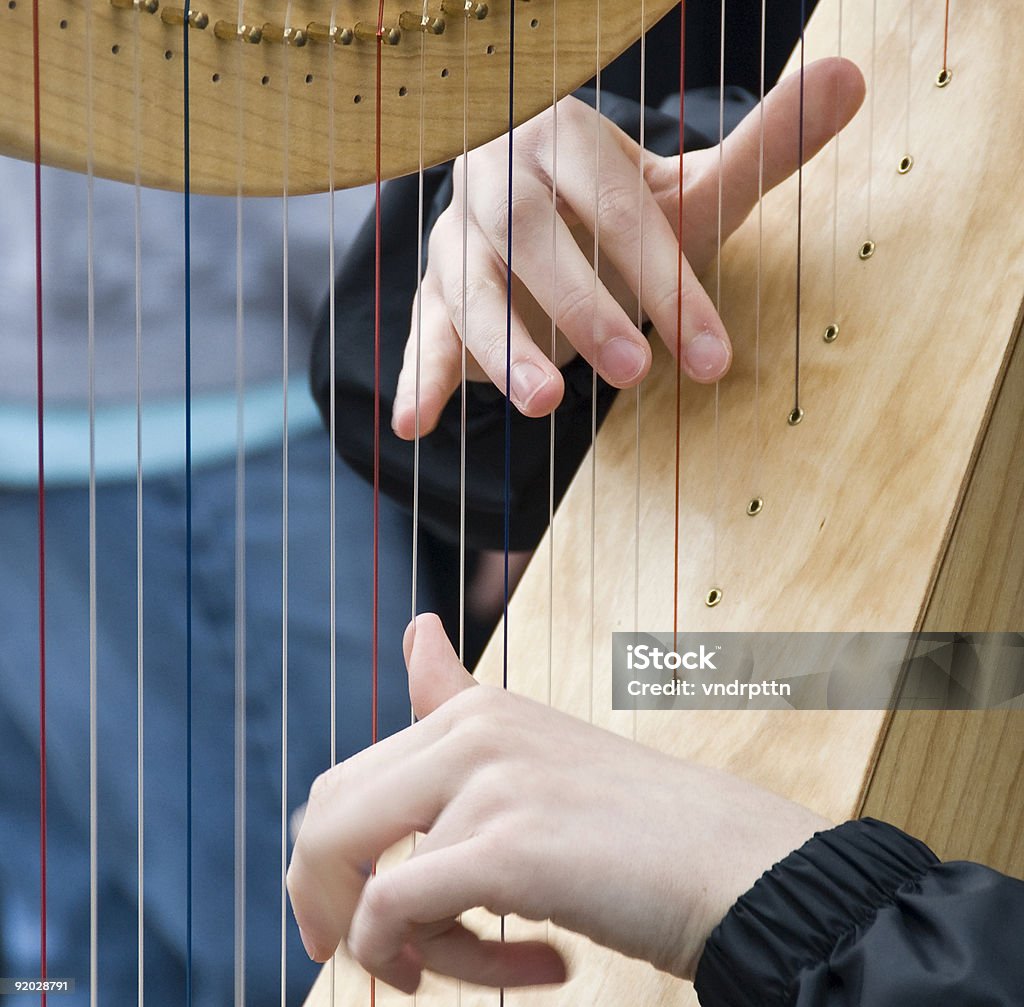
[890, 507]
[269, 117]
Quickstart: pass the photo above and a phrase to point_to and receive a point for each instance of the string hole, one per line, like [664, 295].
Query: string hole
[264, 80]
[168, 54]
[489, 50]
[796, 414]
[444, 72]
[215, 78]
[906, 163]
[534, 23]
[867, 250]
[755, 507]
[713, 597]
[831, 333]
[115, 49]
[356, 99]
[403, 91]
[309, 78]
[944, 77]
[11, 4]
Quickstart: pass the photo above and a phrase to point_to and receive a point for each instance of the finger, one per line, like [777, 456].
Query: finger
[566, 288]
[460, 953]
[343, 834]
[434, 348]
[435, 672]
[833, 90]
[438, 886]
[645, 252]
[536, 384]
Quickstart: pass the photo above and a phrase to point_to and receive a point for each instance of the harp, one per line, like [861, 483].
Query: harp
[892, 505]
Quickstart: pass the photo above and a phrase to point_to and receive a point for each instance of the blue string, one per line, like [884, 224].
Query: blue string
[186, 184]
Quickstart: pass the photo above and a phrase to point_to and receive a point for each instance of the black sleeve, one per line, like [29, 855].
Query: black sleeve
[866, 916]
[485, 429]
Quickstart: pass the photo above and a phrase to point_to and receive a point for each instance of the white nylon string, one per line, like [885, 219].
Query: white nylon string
[418, 321]
[240, 560]
[93, 692]
[332, 502]
[284, 536]
[554, 346]
[910, 72]
[140, 690]
[871, 113]
[463, 352]
[716, 510]
[760, 259]
[835, 195]
[642, 186]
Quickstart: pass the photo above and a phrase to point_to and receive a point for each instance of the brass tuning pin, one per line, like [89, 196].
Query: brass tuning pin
[429, 25]
[366, 31]
[320, 32]
[284, 35]
[177, 16]
[465, 8]
[228, 31]
[149, 6]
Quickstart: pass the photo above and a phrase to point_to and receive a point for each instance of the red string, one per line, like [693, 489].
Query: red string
[37, 160]
[945, 41]
[679, 315]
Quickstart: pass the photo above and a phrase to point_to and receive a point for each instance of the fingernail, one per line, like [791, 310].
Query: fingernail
[527, 380]
[707, 356]
[621, 360]
[310, 948]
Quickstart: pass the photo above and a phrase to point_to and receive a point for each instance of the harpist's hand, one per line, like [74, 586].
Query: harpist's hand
[596, 318]
[526, 811]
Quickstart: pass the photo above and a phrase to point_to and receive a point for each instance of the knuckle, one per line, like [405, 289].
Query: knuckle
[575, 308]
[617, 210]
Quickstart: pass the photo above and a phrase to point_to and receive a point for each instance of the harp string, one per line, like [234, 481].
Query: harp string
[679, 325]
[871, 117]
[140, 686]
[90, 285]
[285, 319]
[718, 293]
[760, 255]
[187, 339]
[593, 370]
[800, 217]
[40, 484]
[835, 185]
[332, 468]
[638, 397]
[241, 664]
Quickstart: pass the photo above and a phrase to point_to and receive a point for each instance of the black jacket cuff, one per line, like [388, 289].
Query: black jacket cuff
[800, 911]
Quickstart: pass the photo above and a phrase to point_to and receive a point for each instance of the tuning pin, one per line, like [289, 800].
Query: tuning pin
[465, 8]
[367, 32]
[228, 31]
[408, 21]
[177, 16]
[284, 36]
[320, 32]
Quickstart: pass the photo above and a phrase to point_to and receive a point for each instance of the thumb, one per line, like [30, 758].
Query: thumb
[435, 672]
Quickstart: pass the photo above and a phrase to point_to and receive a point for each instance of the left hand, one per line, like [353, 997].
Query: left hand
[597, 317]
[526, 810]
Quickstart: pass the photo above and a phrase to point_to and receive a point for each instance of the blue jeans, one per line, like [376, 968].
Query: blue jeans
[165, 721]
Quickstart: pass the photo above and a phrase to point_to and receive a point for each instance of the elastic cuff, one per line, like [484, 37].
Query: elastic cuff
[797, 912]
